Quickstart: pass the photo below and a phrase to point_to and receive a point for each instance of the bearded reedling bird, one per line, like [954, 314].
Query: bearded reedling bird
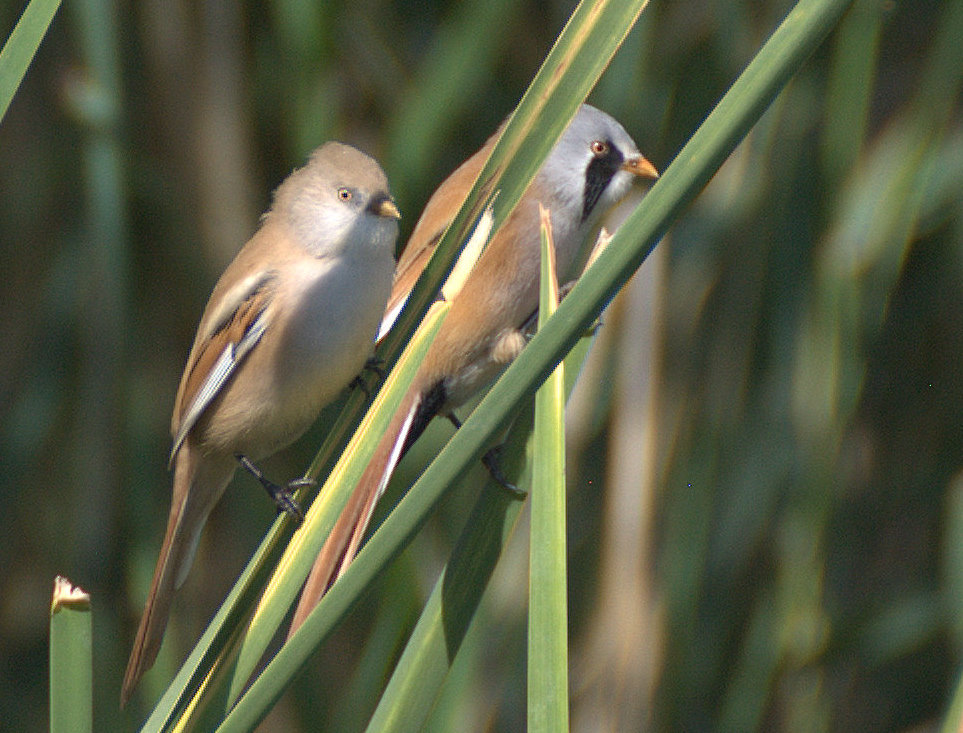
[289, 324]
[591, 167]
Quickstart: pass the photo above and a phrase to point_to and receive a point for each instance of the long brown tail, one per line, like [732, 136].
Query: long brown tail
[341, 545]
[196, 490]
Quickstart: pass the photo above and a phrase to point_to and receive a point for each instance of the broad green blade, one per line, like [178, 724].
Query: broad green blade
[436, 639]
[22, 46]
[547, 596]
[71, 660]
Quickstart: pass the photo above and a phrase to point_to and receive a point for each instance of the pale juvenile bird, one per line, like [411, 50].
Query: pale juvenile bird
[591, 167]
[289, 324]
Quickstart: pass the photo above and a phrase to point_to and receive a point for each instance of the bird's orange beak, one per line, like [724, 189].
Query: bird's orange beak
[641, 167]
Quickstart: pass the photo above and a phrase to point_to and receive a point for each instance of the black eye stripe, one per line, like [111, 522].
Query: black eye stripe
[598, 175]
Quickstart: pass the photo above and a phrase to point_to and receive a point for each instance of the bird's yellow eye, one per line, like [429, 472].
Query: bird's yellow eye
[599, 148]
[344, 194]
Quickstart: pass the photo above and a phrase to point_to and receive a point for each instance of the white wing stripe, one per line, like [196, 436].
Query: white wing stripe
[222, 370]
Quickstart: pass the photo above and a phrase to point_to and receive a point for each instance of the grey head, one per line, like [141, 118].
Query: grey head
[594, 162]
[338, 201]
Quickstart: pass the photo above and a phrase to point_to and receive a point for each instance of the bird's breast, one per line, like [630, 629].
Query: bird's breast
[322, 325]
[335, 309]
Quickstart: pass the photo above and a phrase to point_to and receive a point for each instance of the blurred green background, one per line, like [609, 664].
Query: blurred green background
[766, 495]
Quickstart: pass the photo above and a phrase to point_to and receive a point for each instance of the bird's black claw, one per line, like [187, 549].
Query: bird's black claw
[285, 502]
[374, 364]
[492, 462]
[283, 496]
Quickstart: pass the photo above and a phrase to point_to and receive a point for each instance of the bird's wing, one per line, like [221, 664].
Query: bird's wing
[434, 220]
[223, 341]
[407, 274]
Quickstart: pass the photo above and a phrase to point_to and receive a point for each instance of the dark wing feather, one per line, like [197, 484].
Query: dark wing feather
[214, 359]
